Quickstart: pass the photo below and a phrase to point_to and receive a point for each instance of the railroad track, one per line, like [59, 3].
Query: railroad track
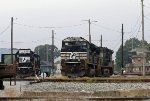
[119, 79]
[119, 99]
[74, 99]
[22, 98]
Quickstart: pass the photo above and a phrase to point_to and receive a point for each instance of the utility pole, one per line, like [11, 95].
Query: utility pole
[89, 30]
[52, 51]
[122, 52]
[12, 40]
[38, 51]
[143, 36]
[101, 40]
[89, 21]
[132, 43]
[47, 52]
[142, 21]
[12, 60]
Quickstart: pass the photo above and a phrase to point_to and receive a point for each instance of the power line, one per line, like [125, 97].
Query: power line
[107, 40]
[147, 18]
[146, 6]
[5, 30]
[106, 28]
[138, 20]
[115, 46]
[40, 40]
[138, 31]
[56, 38]
[135, 31]
[135, 27]
[21, 42]
[47, 27]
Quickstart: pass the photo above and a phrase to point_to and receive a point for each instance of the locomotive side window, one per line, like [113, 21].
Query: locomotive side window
[66, 43]
[84, 45]
[69, 43]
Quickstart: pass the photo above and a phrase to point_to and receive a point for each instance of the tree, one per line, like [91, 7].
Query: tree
[45, 52]
[129, 44]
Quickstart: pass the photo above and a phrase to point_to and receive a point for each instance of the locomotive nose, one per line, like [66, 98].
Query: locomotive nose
[73, 68]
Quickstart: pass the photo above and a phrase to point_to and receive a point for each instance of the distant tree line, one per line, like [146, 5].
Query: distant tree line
[45, 52]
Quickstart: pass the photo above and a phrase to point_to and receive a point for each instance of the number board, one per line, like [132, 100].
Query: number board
[24, 51]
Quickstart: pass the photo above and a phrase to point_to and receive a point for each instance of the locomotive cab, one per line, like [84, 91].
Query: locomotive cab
[74, 46]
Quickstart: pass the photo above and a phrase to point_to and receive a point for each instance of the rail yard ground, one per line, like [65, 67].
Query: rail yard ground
[112, 79]
[79, 91]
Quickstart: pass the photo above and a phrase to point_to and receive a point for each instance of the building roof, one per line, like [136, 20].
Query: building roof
[139, 50]
[141, 65]
[138, 65]
[47, 63]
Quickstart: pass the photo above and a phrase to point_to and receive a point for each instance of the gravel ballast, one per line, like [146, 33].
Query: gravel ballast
[99, 89]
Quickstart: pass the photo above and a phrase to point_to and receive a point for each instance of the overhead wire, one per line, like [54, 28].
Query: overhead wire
[21, 42]
[41, 40]
[147, 18]
[110, 29]
[115, 46]
[5, 30]
[41, 27]
[138, 30]
[106, 28]
[106, 40]
[48, 27]
[45, 27]
[57, 38]
[135, 27]
[146, 6]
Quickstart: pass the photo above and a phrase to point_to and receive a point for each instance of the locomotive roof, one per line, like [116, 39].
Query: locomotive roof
[74, 39]
[106, 49]
[25, 51]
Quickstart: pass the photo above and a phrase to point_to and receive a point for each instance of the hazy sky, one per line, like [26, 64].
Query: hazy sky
[67, 16]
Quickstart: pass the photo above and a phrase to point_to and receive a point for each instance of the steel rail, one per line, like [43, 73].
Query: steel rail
[21, 98]
[119, 98]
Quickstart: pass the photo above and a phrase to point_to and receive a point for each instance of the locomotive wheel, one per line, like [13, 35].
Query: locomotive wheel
[82, 73]
[88, 73]
[1, 85]
[37, 72]
[63, 73]
[106, 72]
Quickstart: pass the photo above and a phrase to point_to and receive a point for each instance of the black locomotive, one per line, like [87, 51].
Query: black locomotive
[28, 63]
[81, 58]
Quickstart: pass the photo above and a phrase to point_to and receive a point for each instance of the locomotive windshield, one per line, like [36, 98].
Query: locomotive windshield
[74, 46]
